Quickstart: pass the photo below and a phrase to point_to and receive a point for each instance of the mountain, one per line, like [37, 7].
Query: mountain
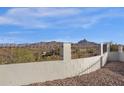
[85, 42]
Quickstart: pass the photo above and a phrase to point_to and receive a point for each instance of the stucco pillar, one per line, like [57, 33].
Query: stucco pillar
[120, 48]
[101, 49]
[101, 58]
[108, 47]
[67, 52]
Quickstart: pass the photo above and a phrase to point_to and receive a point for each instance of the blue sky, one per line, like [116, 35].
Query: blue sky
[21, 25]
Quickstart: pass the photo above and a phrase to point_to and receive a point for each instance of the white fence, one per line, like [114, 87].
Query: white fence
[117, 56]
[27, 73]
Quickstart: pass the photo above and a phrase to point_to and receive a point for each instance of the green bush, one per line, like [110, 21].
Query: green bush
[22, 55]
[114, 47]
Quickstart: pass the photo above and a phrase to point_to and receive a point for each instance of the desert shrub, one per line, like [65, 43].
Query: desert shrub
[22, 55]
[114, 47]
[90, 50]
[80, 51]
[25, 54]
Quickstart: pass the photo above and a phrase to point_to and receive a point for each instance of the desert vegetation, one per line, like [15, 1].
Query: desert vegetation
[82, 52]
[46, 51]
[114, 47]
[84, 49]
[30, 53]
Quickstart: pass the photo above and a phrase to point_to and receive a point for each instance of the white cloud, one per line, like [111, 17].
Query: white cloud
[34, 17]
[5, 20]
[56, 17]
[43, 12]
[15, 33]
[6, 39]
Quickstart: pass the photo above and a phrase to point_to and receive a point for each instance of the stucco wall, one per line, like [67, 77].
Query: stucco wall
[121, 56]
[26, 73]
[105, 58]
[114, 56]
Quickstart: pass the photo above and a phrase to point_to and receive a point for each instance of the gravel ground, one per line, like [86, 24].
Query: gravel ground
[110, 75]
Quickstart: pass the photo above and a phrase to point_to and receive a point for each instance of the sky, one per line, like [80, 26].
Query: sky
[28, 25]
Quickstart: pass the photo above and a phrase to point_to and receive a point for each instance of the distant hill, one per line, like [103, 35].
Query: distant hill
[82, 43]
[45, 51]
[86, 42]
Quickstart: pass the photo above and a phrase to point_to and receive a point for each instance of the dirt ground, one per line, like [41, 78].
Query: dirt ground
[110, 75]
